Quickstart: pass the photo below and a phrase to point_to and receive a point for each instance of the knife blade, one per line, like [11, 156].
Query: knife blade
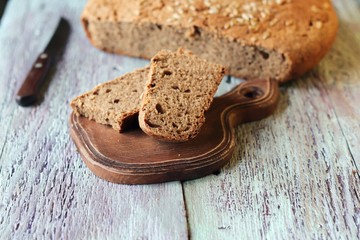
[29, 90]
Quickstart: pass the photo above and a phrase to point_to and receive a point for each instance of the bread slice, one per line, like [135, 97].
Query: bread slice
[277, 39]
[178, 92]
[115, 103]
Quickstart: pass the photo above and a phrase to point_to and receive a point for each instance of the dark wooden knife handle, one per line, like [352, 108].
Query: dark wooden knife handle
[28, 92]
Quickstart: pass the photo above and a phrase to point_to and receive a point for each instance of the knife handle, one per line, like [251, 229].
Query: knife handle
[29, 90]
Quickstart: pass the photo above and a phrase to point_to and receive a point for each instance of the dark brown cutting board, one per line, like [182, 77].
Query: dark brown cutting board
[135, 158]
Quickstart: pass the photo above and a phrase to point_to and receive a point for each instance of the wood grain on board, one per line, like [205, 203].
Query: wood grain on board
[293, 175]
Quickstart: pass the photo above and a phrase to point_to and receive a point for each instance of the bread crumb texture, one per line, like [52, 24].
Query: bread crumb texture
[179, 91]
[115, 103]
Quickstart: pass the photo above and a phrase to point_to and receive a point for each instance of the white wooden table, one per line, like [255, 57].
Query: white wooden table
[294, 175]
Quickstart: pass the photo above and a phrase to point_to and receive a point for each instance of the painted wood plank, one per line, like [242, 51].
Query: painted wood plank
[341, 73]
[46, 190]
[293, 175]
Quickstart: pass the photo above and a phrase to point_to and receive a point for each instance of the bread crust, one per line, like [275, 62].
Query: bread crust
[301, 31]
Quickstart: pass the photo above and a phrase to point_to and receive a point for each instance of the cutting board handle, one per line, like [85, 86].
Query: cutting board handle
[249, 101]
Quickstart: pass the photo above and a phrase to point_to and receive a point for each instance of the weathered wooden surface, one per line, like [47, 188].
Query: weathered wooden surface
[46, 192]
[293, 175]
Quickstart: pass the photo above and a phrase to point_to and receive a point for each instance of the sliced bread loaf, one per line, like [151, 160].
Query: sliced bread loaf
[278, 39]
[178, 92]
[114, 103]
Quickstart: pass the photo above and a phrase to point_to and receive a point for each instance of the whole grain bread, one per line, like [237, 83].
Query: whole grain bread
[178, 92]
[278, 39]
[115, 103]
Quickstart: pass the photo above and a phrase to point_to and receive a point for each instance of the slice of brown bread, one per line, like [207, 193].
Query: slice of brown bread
[115, 103]
[178, 92]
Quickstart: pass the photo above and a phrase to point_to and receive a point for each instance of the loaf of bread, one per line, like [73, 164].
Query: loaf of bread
[277, 39]
[179, 90]
[115, 103]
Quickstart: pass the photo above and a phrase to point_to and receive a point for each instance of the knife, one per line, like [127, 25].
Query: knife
[29, 91]
[2, 7]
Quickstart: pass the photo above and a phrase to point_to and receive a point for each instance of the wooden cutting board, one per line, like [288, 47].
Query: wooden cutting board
[135, 158]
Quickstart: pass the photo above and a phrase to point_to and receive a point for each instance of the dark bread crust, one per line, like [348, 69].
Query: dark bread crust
[280, 39]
